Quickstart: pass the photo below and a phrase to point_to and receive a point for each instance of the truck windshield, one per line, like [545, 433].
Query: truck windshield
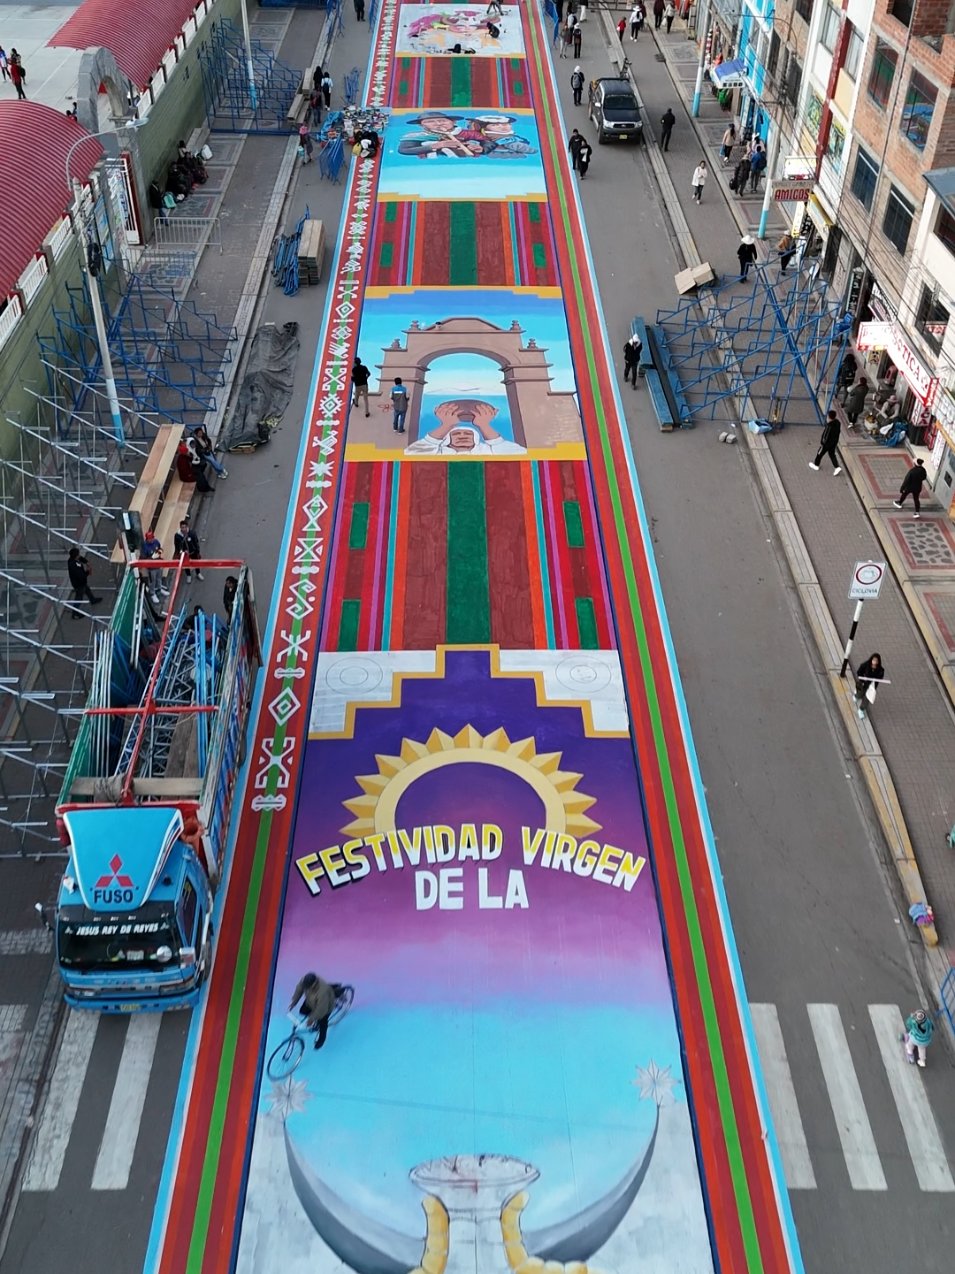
[89, 942]
[619, 102]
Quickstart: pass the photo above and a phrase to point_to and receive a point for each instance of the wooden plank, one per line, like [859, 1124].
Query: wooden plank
[174, 509]
[153, 479]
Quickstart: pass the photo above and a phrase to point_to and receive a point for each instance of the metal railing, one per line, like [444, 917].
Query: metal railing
[10, 318]
[173, 234]
[31, 280]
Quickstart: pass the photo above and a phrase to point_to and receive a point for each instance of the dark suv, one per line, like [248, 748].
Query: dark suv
[614, 111]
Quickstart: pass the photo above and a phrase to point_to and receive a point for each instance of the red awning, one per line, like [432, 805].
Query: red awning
[138, 33]
[34, 143]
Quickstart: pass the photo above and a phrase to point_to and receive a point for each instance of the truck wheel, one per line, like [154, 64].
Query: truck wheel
[601, 139]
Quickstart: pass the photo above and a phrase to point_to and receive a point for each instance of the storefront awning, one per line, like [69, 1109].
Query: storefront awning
[729, 74]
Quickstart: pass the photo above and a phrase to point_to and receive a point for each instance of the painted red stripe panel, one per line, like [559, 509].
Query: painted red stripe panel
[509, 540]
[426, 582]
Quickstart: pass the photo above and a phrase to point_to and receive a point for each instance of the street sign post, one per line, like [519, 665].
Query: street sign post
[865, 586]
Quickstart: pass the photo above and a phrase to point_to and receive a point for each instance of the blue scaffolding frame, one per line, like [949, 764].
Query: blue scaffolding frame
[782, 335]
[225, 84]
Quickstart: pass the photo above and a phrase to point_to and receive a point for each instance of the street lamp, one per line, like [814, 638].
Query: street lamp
[96, 305]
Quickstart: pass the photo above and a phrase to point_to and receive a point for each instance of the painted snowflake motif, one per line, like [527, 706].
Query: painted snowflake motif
[288, 1097]
[656, 1083]
[321, 468]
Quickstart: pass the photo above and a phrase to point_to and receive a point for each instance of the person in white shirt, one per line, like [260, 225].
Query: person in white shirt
[699, 180]
[637, 15]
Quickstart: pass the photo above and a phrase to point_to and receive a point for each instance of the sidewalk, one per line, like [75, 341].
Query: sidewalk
[841, 521]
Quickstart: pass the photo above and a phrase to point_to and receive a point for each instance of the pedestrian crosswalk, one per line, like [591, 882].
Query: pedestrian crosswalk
[840, 1079]
[829, 1085]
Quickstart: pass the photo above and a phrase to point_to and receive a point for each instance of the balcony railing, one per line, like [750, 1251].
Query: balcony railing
[10, 318]
[31, 280]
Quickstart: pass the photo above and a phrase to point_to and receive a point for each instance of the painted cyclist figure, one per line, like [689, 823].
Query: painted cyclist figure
[318, 1000]
[919, 1029]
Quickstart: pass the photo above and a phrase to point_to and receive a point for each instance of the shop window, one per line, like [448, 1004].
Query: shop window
[897, 222]
[883, 73]
[931, 318]
[918, 108]
[804, 9]
[864, 177]
[793, 80]
[835, 146]
[773, 60]
[945, 229]
[830, 27]
[814, 114]
[901, 10]
[854, 51]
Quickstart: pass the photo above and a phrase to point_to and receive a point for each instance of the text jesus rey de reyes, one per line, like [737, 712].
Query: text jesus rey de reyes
[431, 850]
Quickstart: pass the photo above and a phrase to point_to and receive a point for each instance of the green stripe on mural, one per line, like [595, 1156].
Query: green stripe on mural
[573, 524]
[348, 624]
[534, 213]
[469, 599]
[358, 530]
[744, 1203]
[586, 623]
[460, 82]
[391, 211]
[462, 267]
[386, 256]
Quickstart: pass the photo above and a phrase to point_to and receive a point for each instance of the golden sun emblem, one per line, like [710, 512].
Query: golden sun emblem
[377, 809]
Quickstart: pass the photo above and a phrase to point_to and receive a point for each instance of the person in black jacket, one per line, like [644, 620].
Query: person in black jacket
[666, 128]
[359, 379]
[228, 595]
[855, 399]
[631, 359]
[186, 541]
[869, 672]
[828, 443]
[78, 569]
[912, 485]
[747, 255]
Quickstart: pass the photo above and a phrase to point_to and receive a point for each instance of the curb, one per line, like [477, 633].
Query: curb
[862, 737]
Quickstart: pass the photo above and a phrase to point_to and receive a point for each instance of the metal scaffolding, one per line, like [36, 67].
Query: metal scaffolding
[225, 84]
[777, 342]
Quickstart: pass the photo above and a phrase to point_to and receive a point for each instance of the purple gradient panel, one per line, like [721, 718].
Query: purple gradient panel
[578, 937]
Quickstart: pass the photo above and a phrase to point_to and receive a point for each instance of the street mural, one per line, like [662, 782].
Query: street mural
[472, 803]
[507, 1088]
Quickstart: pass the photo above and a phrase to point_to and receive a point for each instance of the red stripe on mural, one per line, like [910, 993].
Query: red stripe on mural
[509, 584]
[396, 640]
[493, 249]
[426, 574]
[433, 244]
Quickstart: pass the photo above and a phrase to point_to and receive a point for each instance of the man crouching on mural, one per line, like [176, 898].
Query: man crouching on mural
[318, 999]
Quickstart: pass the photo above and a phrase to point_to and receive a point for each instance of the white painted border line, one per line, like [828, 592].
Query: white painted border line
[62, 1102]
[797, 1166]
[116, 1150]
[911, 1101]
[845, 1097]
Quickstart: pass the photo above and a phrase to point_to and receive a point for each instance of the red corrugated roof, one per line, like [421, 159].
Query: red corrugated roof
[137, 32]
[34, 142]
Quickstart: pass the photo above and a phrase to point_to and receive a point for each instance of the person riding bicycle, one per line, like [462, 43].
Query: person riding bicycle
[318, 1000]
[919, 1029]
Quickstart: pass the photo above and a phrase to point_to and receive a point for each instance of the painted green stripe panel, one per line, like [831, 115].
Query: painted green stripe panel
[386, 256]
[460, 82]
[469, 600]
[463, 269]
[573, 524]
[358, 531]
[348, 624]
[539, 253]
[391, 211]
[533, 212]
[586, 623]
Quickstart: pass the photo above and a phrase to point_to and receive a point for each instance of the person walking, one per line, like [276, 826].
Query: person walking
[621, 28]
[787, 250]
[326, 85]
[360, 10]
[573, 145]
[855, 400]
[757, 163]
[4, 65]
[828, 443]
[637, 15]
[584, 155]
[912, 485]
[155, 582]
[17, 74]
[740, 176]
[315, 103]
[578, 37]
[360, 376]
[658, 7]
[868, 674]
[79, 571]
[186, 541]
[919, 1029]
[305, 144]
[399, 405]
[699, 180]
[727, 144]
[228, 595]
[631, 359]
[577, 84]
[667, 121]
[747, 255]
[669, 14]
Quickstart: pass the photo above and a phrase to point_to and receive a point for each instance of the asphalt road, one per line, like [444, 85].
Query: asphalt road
[816, 915]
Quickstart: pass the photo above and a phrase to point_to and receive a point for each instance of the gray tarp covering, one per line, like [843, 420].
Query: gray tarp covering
[266, 388]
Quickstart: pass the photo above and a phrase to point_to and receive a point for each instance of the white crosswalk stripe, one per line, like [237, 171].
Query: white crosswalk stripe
[62, 1102]
[782, 1098]
[115, 1158]
[911, 1101]
[845, 1097]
